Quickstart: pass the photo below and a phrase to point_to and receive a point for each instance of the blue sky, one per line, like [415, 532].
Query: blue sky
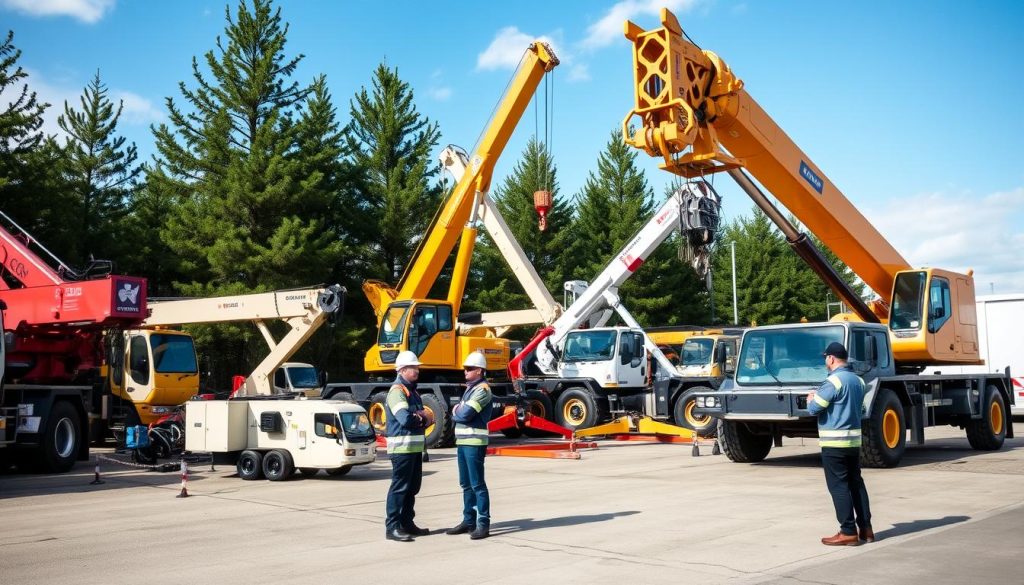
[913, 109]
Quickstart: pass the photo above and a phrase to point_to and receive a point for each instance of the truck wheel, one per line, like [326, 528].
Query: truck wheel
[989, 432]
[539, 405]
[61, 439]
[376, 412]
[740, 444]
[308, 471]
[682, 412]
[250, 465]
[577, 409]
[442, 432]
[343, 396]
[884, 433]
[277, 465]
[339, 471]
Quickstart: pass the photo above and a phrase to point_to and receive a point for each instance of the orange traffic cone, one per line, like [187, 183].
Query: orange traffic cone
[184, 480]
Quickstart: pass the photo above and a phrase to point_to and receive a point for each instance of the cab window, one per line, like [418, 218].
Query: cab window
[325, 424]
[139, 360]
[939, 304]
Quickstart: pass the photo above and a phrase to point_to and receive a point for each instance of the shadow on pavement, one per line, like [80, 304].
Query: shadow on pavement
[901, 528]
[524, 524]
[933, 451]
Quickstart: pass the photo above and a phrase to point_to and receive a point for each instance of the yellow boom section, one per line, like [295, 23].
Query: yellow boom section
[426, 266]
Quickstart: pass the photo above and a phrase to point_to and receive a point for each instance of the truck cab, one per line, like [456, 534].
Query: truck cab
[298, 378]
[614, 357]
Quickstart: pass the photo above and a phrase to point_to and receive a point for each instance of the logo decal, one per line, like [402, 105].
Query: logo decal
[811, 177]
[128, 296]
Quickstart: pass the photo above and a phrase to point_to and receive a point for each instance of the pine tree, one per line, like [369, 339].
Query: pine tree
[493, 287]
[246, 216]
[29, 161]
[100, 173]
[392, 143]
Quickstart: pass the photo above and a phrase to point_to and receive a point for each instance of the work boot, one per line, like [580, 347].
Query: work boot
[462, 528]
[399, 535]
[414, 530]
[481, 531]
[840, 539]
[867, 535]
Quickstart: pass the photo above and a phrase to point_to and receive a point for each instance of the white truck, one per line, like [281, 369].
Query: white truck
[1000, 342]
[273, 438]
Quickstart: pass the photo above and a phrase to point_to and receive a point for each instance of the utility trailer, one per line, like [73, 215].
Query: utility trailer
[274, 437]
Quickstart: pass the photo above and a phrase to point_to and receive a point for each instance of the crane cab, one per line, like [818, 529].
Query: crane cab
[933, 319]
[154, 369]
[428, 328]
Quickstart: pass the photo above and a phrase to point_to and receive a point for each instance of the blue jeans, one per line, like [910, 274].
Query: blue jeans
[845, 484]
[476, 501]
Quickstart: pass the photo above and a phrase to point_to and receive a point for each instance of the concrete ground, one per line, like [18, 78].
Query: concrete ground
[627, 512]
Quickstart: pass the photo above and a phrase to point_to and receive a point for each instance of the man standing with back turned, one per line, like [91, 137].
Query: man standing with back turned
[471, 415]
[406, 419]
[839, 405]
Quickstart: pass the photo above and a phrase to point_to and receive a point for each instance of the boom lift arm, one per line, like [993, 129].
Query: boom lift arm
[695, 114]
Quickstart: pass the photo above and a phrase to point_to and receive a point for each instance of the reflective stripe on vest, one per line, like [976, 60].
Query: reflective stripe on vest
[839, 437]
[406, 444]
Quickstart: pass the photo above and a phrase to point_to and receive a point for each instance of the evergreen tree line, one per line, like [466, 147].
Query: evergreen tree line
[259, 184]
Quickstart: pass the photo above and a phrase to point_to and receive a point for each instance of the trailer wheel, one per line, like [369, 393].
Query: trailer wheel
[442, 432]
[989, 432]
[376, 412]
[250, 465]
[61, 439]
[309, 471]
[884, 433]
[339, 471]
[740, 444]
[277, 465]
[682, 412]
[539, 405]
[577, 409]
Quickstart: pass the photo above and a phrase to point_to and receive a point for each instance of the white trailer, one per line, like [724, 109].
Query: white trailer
[274, 438]
[1000, 343]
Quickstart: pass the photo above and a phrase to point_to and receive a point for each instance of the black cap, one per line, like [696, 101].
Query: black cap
[836, 350]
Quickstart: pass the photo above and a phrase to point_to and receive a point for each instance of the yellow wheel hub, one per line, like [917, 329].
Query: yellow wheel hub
[891, 428]
[995, 415]
[536, 408]
[377, 416]
[433, 415]
[574, 412]
[694, 420]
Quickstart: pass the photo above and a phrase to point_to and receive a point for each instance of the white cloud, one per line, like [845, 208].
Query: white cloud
[89, 11]
[961, 231]
[507, 48]
[580, 72]
[609, 28]
[137, 109]
[440, 94]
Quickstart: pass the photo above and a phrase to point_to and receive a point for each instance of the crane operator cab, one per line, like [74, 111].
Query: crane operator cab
[933, 319]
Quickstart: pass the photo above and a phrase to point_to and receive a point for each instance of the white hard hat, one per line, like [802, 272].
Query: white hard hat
[406, 359]
[475, 360]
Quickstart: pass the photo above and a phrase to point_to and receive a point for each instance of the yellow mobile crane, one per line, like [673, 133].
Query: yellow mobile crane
[695, 114]
[407, 320]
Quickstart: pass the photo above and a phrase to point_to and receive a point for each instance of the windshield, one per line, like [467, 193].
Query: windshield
[697, 352]
[908, 301]
[173, 354]
[392, 327]
[589, 346]
[357, 427]
[304, 377]
[786, 356]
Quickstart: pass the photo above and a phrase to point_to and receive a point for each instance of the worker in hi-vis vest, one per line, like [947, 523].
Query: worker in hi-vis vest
[406, 420]
[471, 415]
[839, 405]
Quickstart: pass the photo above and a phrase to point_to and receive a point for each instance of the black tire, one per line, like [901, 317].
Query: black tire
[250, 465]
[377, 412]
[740, 444]
[342, 396]
[989, 432]
[578, 408]
[682, 414]
[277, 465]
[339, 471]
[61, 440]
[884, 433]
[442, 432]
[540, 405]
[309, 471]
